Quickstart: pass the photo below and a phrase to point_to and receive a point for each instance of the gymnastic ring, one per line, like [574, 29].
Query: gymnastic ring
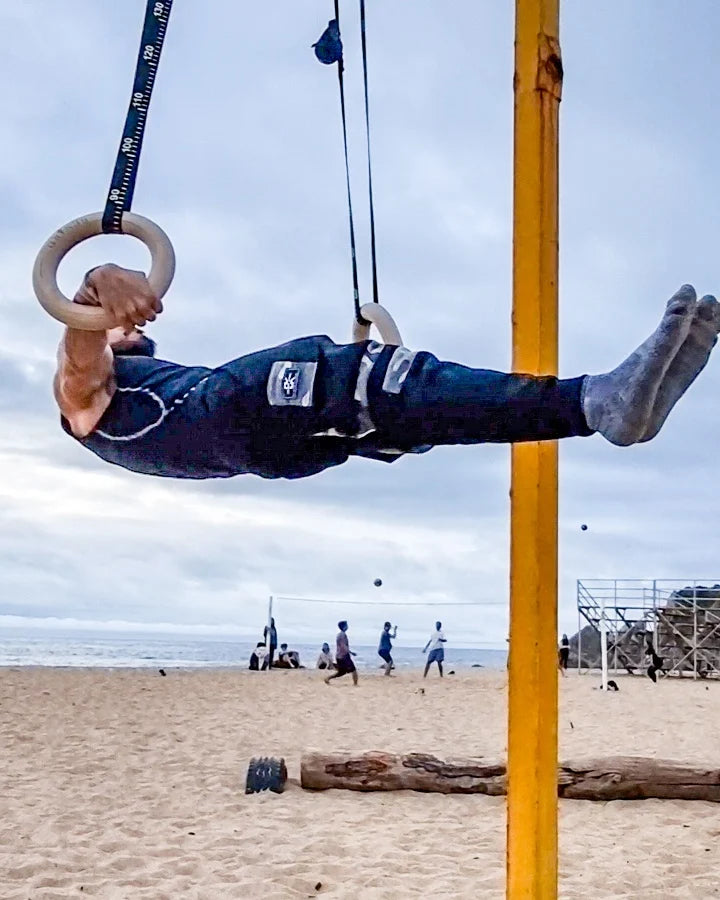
[89, 318]
[377, 315]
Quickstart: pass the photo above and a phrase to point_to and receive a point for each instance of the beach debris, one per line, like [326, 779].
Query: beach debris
[609, 778]
[266, 773]
[162, 672]
[318, 886]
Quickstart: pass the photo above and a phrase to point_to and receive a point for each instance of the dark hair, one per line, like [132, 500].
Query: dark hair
[283, 646]
[342, 625]
[387, 625]
[144, 347]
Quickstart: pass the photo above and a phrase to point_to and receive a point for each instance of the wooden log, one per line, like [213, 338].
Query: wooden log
[612, 778]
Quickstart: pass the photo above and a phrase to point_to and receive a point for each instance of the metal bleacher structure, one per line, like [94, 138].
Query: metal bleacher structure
[677, 620]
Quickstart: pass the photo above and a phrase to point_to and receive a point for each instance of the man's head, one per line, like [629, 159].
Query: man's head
[387, 626]
[283, 647]
[343, 625]
[438, 626]
[326, 648]
[130, 342]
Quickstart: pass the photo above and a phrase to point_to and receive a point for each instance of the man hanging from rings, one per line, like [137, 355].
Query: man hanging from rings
[296, 409]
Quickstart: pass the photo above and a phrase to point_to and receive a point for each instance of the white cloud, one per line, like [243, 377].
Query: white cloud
[242, 165]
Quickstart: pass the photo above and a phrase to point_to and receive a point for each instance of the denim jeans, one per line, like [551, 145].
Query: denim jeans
[447, 403]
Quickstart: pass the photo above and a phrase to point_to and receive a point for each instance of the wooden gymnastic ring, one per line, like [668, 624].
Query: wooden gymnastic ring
[90, 318]
[381, 318]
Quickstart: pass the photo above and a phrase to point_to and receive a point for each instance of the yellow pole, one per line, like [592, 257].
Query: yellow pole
[532, 726]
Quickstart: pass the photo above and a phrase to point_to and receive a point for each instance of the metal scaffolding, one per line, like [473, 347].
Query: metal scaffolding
[646, 619]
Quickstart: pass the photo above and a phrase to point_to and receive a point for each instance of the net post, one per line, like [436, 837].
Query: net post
[603, 646]
[533, 699]
[269, 630]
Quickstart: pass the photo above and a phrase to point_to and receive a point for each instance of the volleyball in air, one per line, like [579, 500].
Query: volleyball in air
[378, 582]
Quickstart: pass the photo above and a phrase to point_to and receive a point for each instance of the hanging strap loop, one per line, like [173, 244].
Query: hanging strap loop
[329, 50]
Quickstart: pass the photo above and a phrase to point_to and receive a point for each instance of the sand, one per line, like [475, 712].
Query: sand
[125, 784]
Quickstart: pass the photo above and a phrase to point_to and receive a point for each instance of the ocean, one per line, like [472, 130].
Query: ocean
[110, 649]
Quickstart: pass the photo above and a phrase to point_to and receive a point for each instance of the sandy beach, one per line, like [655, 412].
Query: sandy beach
[125, 784]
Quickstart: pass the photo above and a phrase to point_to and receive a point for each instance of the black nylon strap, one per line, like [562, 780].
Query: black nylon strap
[353, 248]
[367, 133]
[122, 186]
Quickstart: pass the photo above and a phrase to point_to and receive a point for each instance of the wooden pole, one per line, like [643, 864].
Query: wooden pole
[532, 726]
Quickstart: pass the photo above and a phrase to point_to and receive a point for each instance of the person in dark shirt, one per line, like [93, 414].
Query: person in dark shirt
[563, 654]
[385, 646]
[297, 409]
[344, 664]
[271, 641]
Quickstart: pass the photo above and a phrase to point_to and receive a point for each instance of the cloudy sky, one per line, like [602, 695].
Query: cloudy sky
[242, 166]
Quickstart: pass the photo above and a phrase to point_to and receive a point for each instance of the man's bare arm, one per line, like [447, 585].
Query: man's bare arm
[84, 383]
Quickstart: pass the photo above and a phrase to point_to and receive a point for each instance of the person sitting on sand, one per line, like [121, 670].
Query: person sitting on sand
[287, 659]
[344, 664]
[436, 644]
[294, 410]
[257, 657]
[325, 660]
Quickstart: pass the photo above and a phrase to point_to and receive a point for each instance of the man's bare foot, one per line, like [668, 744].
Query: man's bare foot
[689, 362]
[619, 404]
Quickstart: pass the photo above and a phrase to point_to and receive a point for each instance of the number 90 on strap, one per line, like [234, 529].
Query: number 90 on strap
[87, 318]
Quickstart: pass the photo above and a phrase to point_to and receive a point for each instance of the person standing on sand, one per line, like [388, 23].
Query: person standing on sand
[563, 654]
[344, 664]
[385, 646]
[270, 635]
[437, 649]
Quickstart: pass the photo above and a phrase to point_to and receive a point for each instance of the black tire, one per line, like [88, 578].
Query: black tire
[266, 773]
